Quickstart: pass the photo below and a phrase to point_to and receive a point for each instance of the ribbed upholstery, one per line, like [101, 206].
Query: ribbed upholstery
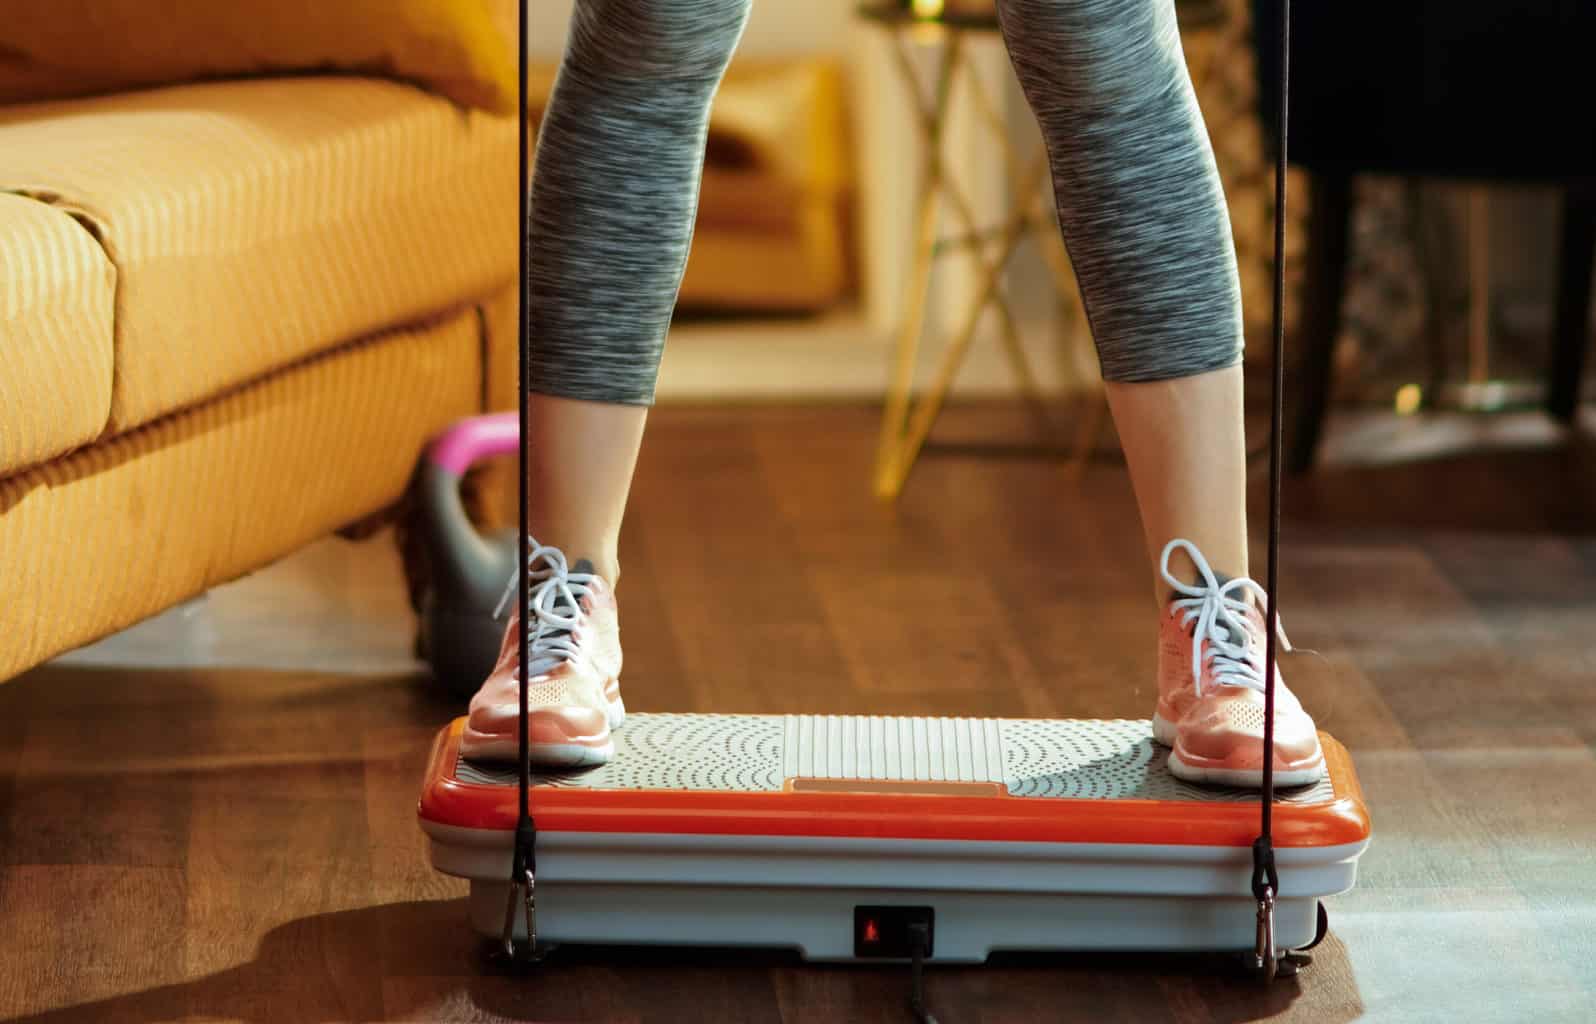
[56, 289]
[255, 223]
[494, 488]
[99, 539]
[500, 329]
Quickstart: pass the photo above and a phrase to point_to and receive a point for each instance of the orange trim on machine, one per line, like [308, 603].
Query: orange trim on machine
[938, 814]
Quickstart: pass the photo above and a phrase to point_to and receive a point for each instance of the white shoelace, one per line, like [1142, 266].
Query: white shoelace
[1221, 613]
[553, 584]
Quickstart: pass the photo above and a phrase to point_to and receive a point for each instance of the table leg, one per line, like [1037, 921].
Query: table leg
[889, 457]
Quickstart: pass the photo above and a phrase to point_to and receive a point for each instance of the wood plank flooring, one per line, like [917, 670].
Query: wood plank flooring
[211, 817]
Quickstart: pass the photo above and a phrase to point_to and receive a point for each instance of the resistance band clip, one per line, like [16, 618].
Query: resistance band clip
[522, 878]
[1265, 885]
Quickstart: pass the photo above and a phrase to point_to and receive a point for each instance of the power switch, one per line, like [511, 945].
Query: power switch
[883, 932]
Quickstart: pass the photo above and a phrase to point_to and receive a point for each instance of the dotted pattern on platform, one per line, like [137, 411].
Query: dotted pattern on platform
[1090, 759]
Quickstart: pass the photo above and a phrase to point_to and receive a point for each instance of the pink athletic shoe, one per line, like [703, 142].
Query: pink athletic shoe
[1211, 686]
[574, 693]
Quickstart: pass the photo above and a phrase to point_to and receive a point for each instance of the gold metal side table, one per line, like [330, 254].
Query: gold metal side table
[907, 419]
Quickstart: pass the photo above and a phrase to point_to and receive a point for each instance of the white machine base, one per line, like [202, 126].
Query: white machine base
[819, 925]
[800, 892]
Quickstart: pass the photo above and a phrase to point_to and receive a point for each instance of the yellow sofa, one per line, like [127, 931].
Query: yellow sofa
[231, 314]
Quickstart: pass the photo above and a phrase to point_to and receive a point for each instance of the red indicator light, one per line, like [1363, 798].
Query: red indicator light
[871, 932]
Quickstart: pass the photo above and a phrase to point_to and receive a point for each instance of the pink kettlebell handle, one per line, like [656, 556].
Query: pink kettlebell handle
[472, 440]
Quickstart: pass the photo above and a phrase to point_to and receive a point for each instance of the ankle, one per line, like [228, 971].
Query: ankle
[607, 569]
[600, 557]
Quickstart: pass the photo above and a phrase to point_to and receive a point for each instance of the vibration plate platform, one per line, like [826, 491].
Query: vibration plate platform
[829, 833]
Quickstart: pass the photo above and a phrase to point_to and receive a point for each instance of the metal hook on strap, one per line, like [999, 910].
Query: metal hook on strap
[1263, 955]
[529, 953]
[1265, 887]
[522, 891]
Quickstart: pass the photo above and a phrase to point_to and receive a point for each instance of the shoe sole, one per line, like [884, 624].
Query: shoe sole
[1244, 778]
[477, 746]
[482, 747]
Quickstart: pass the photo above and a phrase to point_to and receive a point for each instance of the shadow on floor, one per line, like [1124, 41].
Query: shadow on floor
[418, 960]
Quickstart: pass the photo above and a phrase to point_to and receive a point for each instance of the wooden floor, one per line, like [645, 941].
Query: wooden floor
[212, 816]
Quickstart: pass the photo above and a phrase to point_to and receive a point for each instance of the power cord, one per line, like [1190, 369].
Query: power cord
[919, 947]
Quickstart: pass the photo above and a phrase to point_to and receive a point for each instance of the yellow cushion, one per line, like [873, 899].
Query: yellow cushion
[58, 48]
[255, 223]
[97, 540]
[56, 291]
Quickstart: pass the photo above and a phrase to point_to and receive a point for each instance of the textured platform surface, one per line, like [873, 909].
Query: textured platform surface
[1063, 758]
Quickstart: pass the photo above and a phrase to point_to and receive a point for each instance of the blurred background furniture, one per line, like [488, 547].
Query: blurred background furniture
[774, 227]
[1476, 91]
[906, 422]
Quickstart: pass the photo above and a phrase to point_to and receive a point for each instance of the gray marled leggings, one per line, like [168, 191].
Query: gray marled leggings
[621, 150]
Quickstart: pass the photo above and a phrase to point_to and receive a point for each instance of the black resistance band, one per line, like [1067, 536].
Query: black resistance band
[523, 863]
[1265, 881]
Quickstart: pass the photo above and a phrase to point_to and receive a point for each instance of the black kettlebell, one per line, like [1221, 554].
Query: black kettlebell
[467, 571]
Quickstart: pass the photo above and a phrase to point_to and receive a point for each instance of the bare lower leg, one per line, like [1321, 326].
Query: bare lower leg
[1185, 444]
[580, 459]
